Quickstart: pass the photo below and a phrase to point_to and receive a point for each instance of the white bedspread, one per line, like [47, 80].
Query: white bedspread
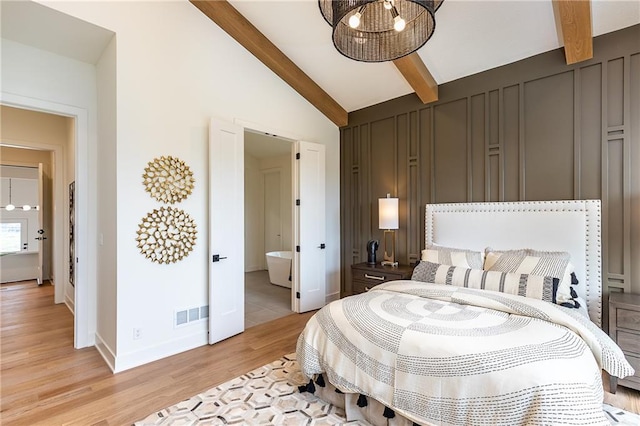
[443, 355]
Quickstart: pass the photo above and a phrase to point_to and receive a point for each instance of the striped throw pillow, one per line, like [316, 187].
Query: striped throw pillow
[453, 256]
[527, 261]
[533, 286]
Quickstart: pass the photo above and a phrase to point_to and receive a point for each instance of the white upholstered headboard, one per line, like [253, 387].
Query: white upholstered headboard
[572, 226]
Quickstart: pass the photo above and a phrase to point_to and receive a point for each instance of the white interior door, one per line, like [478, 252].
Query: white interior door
[272, 212]
[40, 233]
[309, 253]
[226, 230]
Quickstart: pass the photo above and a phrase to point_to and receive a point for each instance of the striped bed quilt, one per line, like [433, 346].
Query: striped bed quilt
[443, 355]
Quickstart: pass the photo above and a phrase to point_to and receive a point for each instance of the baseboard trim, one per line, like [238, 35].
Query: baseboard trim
[105, 351]
[146, 355]
[332, 296]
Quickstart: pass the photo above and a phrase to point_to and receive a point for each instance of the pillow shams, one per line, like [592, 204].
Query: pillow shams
[453, 256]
[533, 286]
[527, 261]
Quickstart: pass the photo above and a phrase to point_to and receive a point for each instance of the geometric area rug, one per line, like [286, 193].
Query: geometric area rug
[269, 396]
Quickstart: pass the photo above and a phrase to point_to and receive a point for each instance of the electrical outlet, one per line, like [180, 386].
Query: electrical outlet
[137, 333]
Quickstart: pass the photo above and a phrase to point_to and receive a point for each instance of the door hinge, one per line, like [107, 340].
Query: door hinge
[297, 295]
[297, 155]
[298, 202]
[298, 249]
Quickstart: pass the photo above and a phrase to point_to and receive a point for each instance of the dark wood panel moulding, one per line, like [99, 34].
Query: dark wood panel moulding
[521, 143]
[595, 142]
[501, 125]
[626, 171]
[244, 32]
[487, 144]
[432, 147]
[469, 150]
[604, 173]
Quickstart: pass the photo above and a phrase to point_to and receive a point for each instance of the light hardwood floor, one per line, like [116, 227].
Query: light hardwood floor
[44, 381]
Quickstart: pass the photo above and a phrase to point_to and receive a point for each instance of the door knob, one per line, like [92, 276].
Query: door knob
[217, 258]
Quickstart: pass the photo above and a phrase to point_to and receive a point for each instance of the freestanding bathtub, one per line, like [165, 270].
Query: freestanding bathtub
[279, 266]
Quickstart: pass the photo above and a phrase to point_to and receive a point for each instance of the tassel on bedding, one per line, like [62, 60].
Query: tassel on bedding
[309, 387]
[362, 401]
[389, 413]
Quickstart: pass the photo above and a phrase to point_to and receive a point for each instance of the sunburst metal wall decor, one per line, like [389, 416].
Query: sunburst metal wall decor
[166, 235]
[168, 179]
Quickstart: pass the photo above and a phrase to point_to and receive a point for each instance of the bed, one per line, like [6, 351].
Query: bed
[446, 348]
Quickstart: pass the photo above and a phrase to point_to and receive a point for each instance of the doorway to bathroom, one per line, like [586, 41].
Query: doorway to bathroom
[268, 227]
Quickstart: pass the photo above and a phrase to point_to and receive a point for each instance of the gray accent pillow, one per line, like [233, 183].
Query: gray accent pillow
[527, 285]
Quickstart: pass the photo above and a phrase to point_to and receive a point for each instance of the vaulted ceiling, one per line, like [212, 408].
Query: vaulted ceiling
[292, 38]
[471, 36]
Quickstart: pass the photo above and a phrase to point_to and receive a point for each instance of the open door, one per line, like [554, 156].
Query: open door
[226, 230]
[40, 237]
[309, 259]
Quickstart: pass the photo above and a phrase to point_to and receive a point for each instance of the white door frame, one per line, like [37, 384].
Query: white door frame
[41, 223]
[85, 288]
[284, 134]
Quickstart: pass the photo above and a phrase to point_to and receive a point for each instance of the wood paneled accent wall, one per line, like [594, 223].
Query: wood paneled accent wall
[537, 129]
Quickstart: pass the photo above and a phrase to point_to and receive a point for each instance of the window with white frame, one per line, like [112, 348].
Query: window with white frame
[13, 236]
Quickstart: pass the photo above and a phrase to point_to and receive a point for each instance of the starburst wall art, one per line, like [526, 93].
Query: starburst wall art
[166, 235]
[168, 179]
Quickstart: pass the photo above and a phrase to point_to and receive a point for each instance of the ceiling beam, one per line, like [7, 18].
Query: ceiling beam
[238, 27]
[418, 76]
[574, 17]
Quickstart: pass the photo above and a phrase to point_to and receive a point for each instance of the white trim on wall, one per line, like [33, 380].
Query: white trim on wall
[85, 288]
[248, 125]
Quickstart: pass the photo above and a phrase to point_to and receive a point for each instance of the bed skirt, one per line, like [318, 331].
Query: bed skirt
[373, 412]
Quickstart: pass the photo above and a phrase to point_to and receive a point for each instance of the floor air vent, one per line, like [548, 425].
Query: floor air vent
[204, 311]
[181, 318]
[189, 315]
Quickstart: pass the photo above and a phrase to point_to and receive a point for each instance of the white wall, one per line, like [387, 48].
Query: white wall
[171, 79]
[253, 214]
[106, 292]
[48, 79]
[283, 164]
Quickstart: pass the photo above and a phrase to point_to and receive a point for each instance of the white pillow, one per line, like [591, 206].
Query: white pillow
[542, 263]
[453, 256]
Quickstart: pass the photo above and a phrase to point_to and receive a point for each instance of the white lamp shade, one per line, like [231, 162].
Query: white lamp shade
[388, 213]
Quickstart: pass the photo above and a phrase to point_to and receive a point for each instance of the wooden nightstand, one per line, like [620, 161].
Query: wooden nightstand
[624, 329]
[365, 276]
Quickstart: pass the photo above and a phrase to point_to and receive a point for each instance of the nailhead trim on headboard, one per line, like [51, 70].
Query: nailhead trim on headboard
[593, 243]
